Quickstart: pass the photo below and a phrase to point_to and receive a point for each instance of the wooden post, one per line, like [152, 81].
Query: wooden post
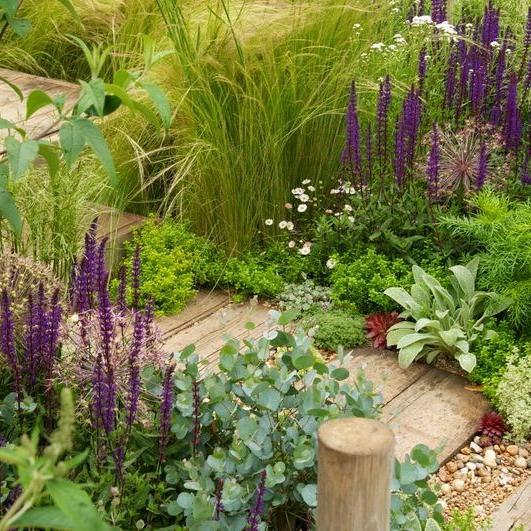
[354, 475]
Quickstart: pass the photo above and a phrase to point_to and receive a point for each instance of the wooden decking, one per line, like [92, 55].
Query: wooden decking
[422, 404]
[44, 123]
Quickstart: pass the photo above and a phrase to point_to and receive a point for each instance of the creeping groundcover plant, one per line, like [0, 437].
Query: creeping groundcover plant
[443, 321]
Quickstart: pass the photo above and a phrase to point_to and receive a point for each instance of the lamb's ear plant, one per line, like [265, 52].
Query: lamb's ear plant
[443, 321]
[41, 477]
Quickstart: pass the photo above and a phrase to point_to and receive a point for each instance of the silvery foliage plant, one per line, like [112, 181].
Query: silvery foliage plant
[439, 320]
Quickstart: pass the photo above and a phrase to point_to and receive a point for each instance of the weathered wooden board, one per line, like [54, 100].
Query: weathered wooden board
[514, 511]
[436, 410]
[44, 123]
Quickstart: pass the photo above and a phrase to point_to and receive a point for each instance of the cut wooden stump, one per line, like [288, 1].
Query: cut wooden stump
[514, 511]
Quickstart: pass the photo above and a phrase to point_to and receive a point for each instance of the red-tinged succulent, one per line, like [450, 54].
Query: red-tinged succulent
[377, 326]
[492, 426]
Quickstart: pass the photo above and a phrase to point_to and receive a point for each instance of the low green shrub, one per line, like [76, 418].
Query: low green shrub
[465, 521]
[359, 284]
[336, 328]
[513, 398]
[492, 357]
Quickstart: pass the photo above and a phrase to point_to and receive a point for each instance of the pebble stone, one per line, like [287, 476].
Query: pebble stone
[490, 458]
[520, 462]
[458, 485]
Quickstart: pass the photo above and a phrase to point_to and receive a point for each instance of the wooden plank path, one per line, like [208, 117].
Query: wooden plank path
[515, 511]
[44, 123]
[422, 404]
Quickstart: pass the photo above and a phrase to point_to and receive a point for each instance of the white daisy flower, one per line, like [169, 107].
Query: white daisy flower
[290, 226]
[291, 244]
[268, 222]
[282, 224]
[304, 198]
[302, 207]
[331, 263]
[297, 191]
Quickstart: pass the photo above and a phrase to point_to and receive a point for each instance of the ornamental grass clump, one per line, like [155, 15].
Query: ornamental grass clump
[438, 320]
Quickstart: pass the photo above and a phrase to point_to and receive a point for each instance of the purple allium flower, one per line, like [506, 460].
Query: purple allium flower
[438, 11]
[482, 166]
[513, 124]
[135, 278]
[433, 164]
[166, 405]
[218, 504]
[253, 520]
[196, 429]
[134, 369]
[451, 75]
[7, 343]
[382, 111]
[351, 154]
[422, 68]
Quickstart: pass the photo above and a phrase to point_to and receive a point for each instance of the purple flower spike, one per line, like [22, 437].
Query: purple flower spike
[218, 504]
[253, 520]
[7, 340]
[351, 154]
[496, 112]
[433, 164]
[526, 177]
[166, 404]
[451, 76]
[382, 111]
[481, 176]
[399, 161]
[368, 153]
[134, 371]
[438, 11]
[513, 124]
[135, 278]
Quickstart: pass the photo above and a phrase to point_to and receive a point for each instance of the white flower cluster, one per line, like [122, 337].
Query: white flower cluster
[301, 195]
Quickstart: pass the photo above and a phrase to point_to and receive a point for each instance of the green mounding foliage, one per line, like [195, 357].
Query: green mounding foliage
[443, 321]
[499, 230]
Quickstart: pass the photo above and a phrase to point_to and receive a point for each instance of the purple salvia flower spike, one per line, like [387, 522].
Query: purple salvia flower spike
[496, 111]
[351, 154]
[382, 112]
[135, 277]
[134, 370]
[166, 405]
[7, 340]
[253, 520]
[438, 11]
[513, 125]
[483, 160]
[368, 153]
[526, 177]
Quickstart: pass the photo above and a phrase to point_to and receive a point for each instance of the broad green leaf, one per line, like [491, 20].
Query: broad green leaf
[340, 373]
[92, 98]
[270, 399]
[20, 155]
[410, 339]
[451, 336]
[95, 139]
[424, 323]
[13, 87]
[49, 153]
[407, 355]
[402, 297]
[76, 505]
[432, 525]
[465, 279]
[6, 124]
[287, 317]
[10, 7]
[309, 494]
[467, 361]
[9, 211]
[37, 100]
[20, 26]
[72, 141]
[185, 500]
[160, 101]
[44, 517]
